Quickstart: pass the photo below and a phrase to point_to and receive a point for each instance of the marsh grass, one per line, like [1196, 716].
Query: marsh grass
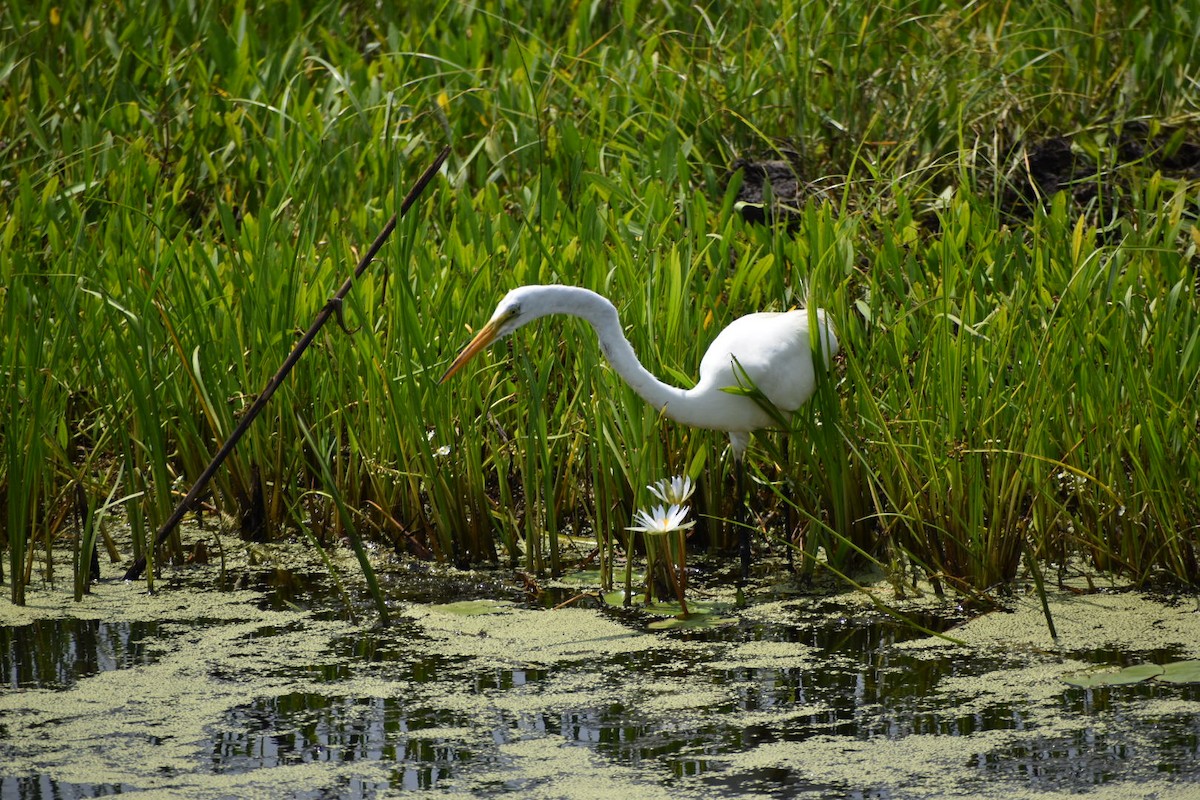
[181, 188]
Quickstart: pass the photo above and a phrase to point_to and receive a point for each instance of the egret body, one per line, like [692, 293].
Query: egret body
[774, 350]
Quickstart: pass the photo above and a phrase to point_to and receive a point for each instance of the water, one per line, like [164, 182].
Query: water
[55, 653]
[368, 711]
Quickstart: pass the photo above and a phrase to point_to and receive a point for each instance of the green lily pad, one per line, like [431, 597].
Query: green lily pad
[1180, 672]
[701, 615]
[614, 598]
[1135, 674]
[471, 608]
[690, 621]
[667, 608]
[584, 578]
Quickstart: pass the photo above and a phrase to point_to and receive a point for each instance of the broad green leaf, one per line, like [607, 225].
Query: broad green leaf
[471, 608]
[691, 621]
[1180, 672]
[1134, 674]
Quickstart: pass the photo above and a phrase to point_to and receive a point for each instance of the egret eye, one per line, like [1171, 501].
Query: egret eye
[506, 314]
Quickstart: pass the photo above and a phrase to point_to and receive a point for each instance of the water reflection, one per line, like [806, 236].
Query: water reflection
[306, 727]
[449, 718]
[43, 788]
[55, 653]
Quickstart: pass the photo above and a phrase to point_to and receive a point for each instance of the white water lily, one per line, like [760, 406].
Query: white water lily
[673, 491]
[661, 519]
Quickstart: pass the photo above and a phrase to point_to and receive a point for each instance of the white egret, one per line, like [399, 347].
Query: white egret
[773, 350]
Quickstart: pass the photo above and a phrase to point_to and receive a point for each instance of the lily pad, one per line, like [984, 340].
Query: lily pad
[471, 608]
[1180, 672]
[1135, 674]
[690, 621]
[584, 578]
[614, 598]
[1174, 672]
[702, 615]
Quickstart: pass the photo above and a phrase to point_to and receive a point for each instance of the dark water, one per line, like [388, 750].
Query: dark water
[864, 691]
[864, 688]
[54, 654]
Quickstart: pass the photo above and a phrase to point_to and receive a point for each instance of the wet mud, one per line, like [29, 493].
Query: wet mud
[1027, 175]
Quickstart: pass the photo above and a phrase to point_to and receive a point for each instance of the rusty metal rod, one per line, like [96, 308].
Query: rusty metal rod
[328, 310]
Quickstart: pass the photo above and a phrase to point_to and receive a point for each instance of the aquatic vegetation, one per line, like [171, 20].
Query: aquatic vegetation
[674, 491]
[1171, 672]
[666, 526]
[997, 209]
[199, 693]
[661, 520]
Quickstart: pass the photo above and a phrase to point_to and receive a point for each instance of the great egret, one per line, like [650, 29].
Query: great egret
[773, 350]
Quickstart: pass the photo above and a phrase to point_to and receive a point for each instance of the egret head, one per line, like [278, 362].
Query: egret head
[517, 308]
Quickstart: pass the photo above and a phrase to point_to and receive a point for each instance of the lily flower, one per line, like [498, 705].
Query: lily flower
[673, 491]
[661, 519]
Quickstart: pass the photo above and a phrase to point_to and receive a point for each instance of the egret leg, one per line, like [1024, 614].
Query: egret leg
[740, 518]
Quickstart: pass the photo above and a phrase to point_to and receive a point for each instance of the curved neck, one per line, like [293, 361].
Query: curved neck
[602, 315]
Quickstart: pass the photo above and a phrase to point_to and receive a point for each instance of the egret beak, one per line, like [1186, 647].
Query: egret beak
[486, 335]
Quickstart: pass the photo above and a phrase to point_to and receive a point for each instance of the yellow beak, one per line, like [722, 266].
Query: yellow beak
[486, 335]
